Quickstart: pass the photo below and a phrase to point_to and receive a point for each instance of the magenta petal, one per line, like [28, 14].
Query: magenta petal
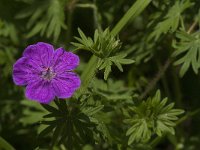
[24, 71]
[40, 91]
[41, 52]
[65, 84]
[46, 72]
[64, 61]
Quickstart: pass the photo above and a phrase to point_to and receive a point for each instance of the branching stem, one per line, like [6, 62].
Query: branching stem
[162, 70]
[133, 11]
[156, 79]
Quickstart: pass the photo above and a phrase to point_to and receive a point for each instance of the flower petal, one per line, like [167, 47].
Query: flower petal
[24, 71]
[40, 91]
[41, 52]
[64, 61]
[64, 85]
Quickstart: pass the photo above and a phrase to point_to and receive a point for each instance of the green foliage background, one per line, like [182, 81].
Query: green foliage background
[133, 54]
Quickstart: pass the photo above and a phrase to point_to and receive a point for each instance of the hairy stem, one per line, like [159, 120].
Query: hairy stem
[153, 82]
[88, 74]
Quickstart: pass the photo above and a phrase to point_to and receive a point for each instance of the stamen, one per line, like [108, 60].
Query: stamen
[48, 74]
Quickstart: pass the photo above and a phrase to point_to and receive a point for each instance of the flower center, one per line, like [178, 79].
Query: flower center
[48, 74]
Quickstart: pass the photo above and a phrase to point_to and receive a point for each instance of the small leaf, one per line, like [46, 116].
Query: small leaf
[151, 115]
[57, 132]
[188, 48]
[93, 110]
[50, 108]
[46, 131]
[107, 70]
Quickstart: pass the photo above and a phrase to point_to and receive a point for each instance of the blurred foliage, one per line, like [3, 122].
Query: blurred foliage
[44, 17]
[108, 112]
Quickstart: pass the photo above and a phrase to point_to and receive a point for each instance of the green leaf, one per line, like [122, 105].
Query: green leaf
[92, 110]
[83, 38]
[102, 45]
[50, 108]
[171, 20]
[152, 116]
[57, 132]
[114, 91]
[118, 60]
[29, 116]
[132, 12]
[189, 49]
[46, 131]
[139, 132]
[50, 24]
[9, 30]
[107, 69]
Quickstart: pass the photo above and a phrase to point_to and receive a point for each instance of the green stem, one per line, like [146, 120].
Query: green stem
[156, 141]
[88, 74]
[95, 11]
[69, 25]
[5, 145]
[189, 114]
[133, 11]
[97, 22]
[153, 82]
[164, 81]
[91, 68]
[177, 88]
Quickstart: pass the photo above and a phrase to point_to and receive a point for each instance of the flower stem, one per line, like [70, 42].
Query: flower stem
[70, 8]
[5, 145]
[88, 74]
[133, 11]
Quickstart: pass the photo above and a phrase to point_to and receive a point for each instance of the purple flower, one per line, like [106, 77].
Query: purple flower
[46, 73]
